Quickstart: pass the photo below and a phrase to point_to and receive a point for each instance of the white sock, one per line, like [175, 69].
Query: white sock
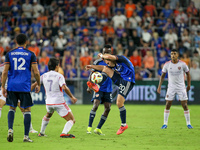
[68, 126]
[187, 116]
[166, 116]
[45, 122]
[123, 124]
[0, 112]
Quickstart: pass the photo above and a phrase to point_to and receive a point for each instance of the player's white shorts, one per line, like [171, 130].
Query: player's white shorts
[1, 96]
[171, 93]
[62, 109]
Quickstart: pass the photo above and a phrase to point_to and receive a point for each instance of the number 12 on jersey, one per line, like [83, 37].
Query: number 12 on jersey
[20, 67]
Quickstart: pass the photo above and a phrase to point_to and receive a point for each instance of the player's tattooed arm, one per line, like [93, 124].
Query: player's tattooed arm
[95, 67]
[188, 80]
[162, 77]
[107, 56]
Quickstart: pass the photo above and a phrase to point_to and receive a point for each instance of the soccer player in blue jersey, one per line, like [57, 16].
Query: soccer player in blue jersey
[104, 95]
[18, 65]
[122, 73]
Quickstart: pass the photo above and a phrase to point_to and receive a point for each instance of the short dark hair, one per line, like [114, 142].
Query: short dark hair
[174, 50]
[107, 49]
[53, 62]
[21, 39]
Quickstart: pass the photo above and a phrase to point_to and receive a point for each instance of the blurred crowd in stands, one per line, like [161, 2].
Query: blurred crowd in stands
[75, 31]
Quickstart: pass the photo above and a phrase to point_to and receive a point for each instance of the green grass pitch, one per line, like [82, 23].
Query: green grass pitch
[144, 131]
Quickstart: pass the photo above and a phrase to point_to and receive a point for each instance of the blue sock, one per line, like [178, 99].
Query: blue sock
[123, 114]
[102, 121]
[92, 115]
[11, 116]
[27, 122]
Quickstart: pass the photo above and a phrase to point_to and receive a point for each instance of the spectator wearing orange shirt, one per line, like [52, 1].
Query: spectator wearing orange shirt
[148, 61]
[151, 8]
[103, 9]
[34, 48]
[85, 60]
[129, 9]
[136, 59]
[1, 49]
[186, 59]
[43, 20]
[191, 10]
[110, 32]
[109, 3]
[44, 58]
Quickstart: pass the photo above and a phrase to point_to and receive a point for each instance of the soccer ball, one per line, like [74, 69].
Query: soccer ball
[96, 77]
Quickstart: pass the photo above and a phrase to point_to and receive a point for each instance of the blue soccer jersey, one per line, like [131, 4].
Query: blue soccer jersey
[106, 86]
[125, 68]
[19, 74]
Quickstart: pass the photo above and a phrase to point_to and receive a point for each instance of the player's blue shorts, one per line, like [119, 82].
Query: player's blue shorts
[24, 97]
[124, 86]
[102, 97]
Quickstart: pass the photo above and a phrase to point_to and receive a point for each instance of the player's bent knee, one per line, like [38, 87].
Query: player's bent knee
[107, 110]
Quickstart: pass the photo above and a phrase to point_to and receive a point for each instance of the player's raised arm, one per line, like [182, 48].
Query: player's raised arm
[162, 77]
[107, 56]
[68, 92]
[188, 81]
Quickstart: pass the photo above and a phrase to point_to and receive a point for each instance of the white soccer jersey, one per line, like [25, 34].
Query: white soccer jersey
[53, 82]
[176, 74]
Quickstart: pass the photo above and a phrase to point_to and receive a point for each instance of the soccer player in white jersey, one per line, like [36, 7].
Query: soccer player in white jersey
[54, 83]
[3, 102]
[176, 70]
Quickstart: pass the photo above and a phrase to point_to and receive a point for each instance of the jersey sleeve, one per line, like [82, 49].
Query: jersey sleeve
[185, 68]
[61, 81]
[164, 70]
[120, 58]
[7, 59]
[33, 59]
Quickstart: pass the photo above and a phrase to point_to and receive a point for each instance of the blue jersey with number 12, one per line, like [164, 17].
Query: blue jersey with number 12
[19, 74]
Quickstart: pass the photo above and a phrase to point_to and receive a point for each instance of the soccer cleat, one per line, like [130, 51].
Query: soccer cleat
[190, 126]
[33, 131]
[67, 135]
[89, 129]
[93, 86]
[98, 131]
[10, 135]
[164, 126]
[41, 134]
[27, 139]
[122, 129]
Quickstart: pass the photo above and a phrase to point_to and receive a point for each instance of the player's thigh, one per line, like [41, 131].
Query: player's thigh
[107, 97]
[97, 96]
[108, 71]
[25, 100]
[170, 95]
[182, 94]
[63, 110]
[12, 98]
[50, 109]
[125, 87]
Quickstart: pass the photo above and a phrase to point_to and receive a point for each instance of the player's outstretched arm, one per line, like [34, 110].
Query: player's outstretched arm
[95, 67]
[4, 78]
[188, 81]
[162, 77]
[67, 90]
[36, 74]
[107, 56]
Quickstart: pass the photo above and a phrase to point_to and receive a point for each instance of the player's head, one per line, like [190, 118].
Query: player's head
[174, 54]
[107, 49]
[53, 64]
[21, 39]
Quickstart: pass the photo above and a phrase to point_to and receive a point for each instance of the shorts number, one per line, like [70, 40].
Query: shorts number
[20, 67]
[121, 88]
[50, 81]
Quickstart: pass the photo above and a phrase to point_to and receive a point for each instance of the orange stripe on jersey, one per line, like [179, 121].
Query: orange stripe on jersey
[56, 104]
[6, 62]
[34, 62]
[167, 62]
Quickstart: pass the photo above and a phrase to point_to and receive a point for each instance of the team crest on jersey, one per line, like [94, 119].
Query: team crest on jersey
[179, 68]
[167, 96]
[97, 95]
